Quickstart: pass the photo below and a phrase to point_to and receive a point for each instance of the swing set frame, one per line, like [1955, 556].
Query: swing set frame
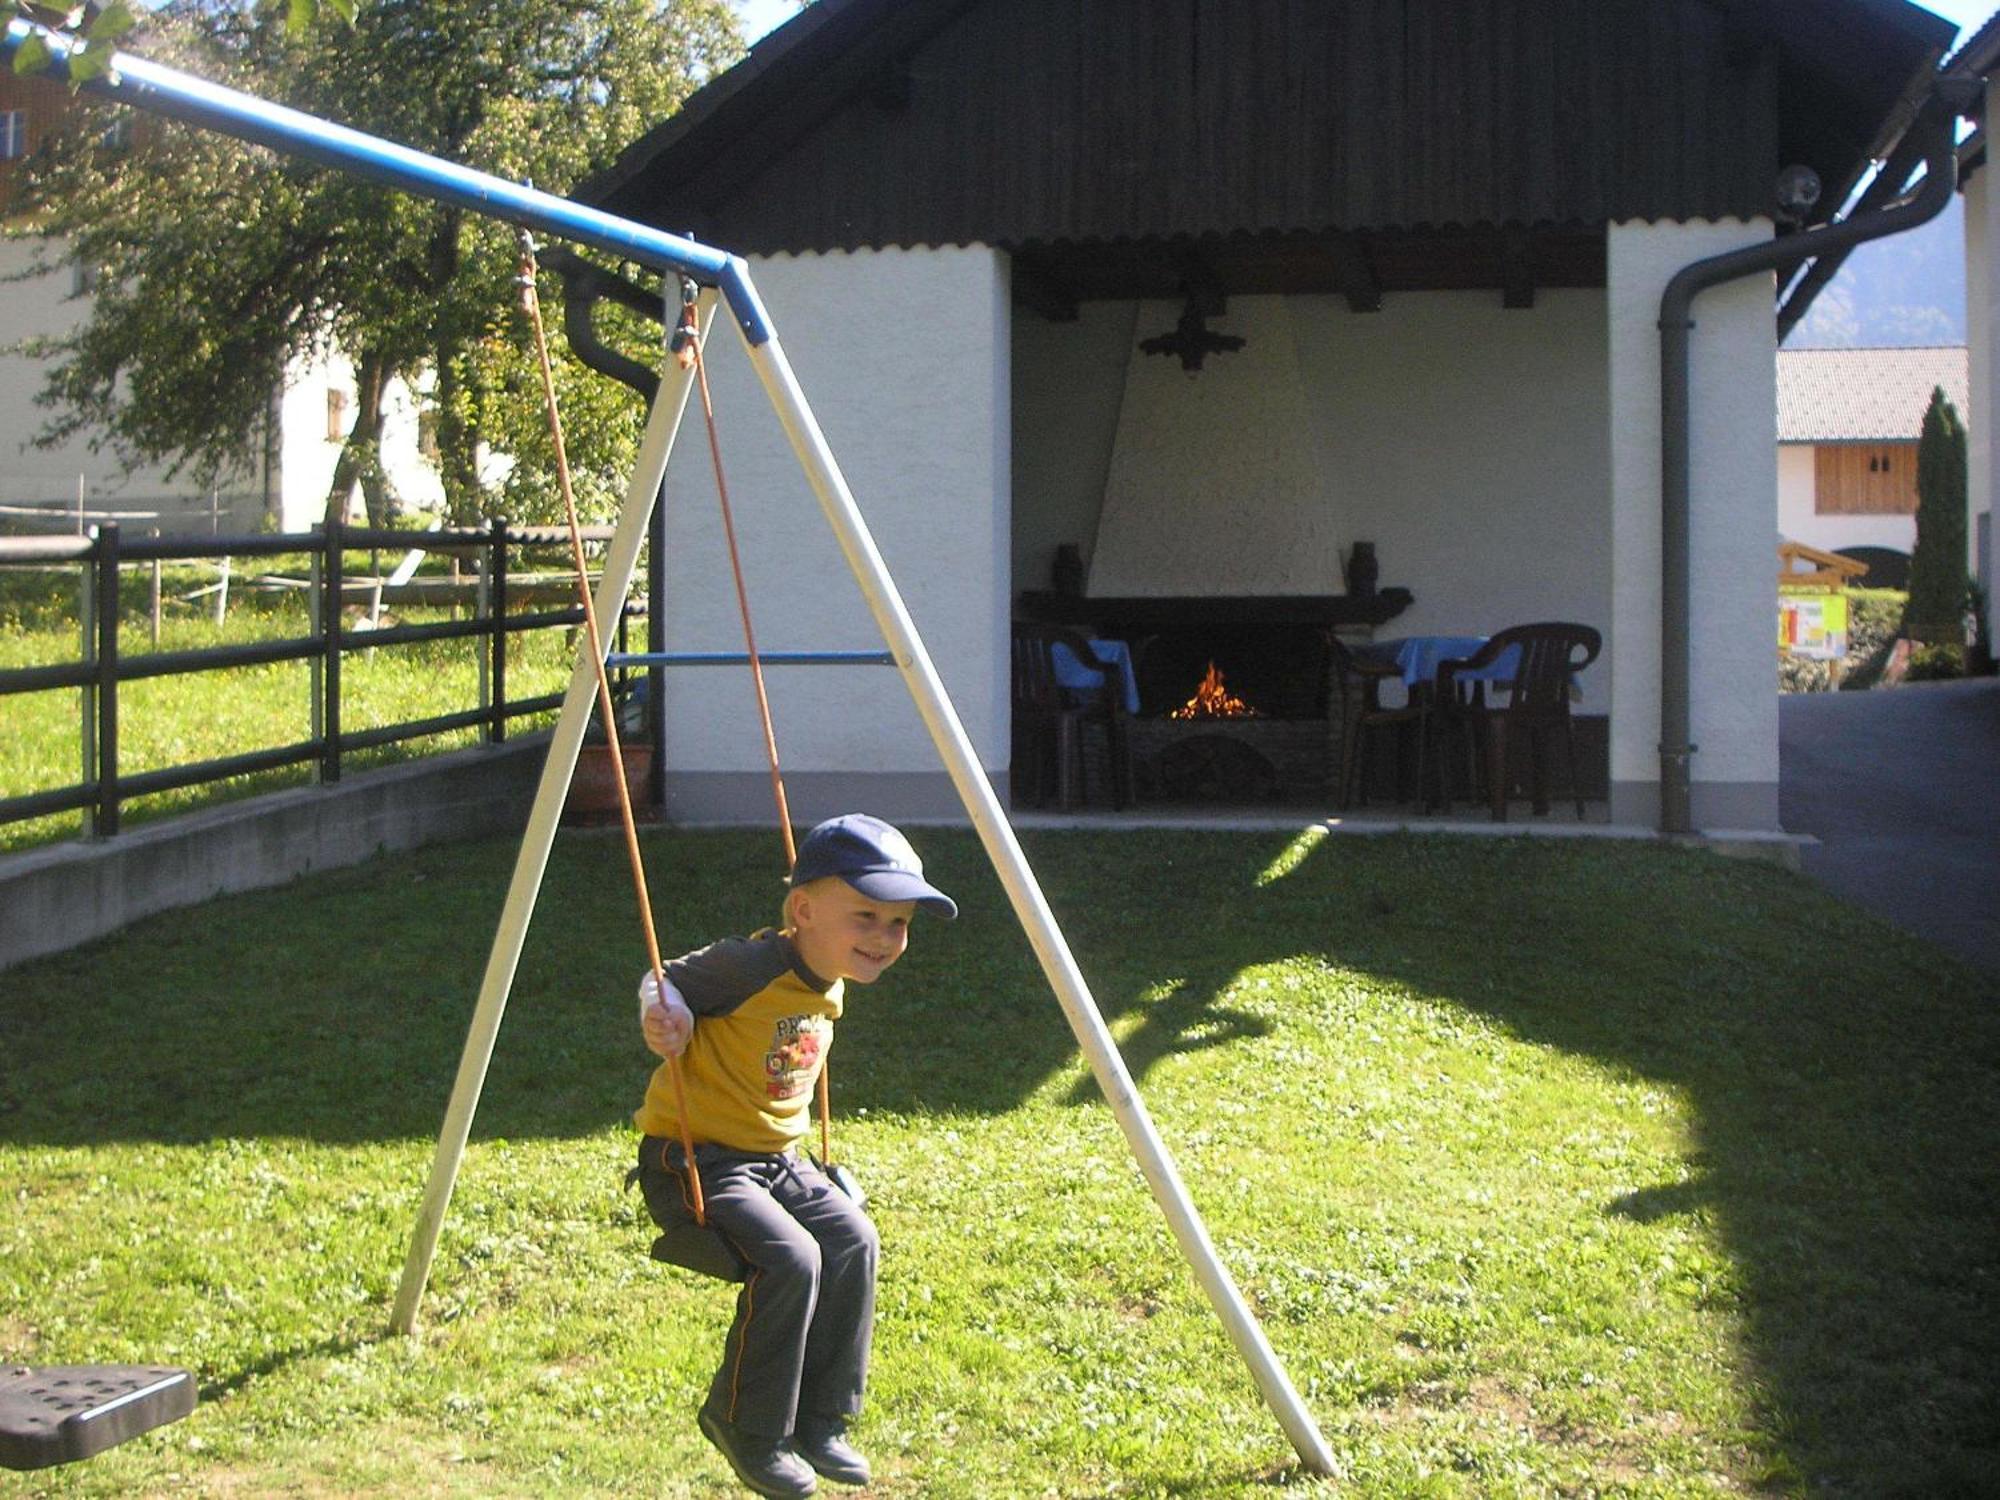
[726, 284]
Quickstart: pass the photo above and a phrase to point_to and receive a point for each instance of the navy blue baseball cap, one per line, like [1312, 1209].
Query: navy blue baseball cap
[874, 858]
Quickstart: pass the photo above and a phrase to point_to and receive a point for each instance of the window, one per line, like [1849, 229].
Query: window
[13, 134]
[1865, 479]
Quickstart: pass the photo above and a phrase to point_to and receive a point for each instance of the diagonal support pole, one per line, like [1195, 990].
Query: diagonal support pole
[529, 865]
[961, 761]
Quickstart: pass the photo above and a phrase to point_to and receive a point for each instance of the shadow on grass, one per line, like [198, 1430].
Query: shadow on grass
[1848, 1118]
[277, 1359]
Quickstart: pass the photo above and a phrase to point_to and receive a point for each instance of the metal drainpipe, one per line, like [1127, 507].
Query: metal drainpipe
[1949, 99]
[584, 285]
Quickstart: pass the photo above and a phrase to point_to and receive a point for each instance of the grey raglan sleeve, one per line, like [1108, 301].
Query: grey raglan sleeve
[716, 979]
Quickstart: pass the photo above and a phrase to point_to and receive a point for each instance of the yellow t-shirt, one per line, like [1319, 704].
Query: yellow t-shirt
[763, 1024]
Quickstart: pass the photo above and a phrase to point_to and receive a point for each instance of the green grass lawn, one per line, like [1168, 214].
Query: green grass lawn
[1552, 1168]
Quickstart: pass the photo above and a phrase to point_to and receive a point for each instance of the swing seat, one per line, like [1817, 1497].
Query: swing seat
[695, 1247]
[63, 1413]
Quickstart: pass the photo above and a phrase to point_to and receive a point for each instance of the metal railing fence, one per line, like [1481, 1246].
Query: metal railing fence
[102, 668]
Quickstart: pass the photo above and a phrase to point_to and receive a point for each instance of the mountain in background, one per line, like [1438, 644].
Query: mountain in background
[1899, 292]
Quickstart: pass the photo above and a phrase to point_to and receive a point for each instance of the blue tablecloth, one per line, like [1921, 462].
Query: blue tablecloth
[1079, 678]
[1419, 656]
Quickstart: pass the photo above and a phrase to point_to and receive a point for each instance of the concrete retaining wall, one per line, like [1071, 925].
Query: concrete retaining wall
[59, 897]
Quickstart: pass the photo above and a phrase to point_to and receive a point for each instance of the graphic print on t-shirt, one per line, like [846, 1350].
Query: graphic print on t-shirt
[794, 1056]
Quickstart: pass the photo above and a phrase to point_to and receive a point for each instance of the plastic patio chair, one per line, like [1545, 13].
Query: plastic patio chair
[1552, 652]
[1050, 719]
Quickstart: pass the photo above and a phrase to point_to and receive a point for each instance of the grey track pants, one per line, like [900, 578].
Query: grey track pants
[798, 1349]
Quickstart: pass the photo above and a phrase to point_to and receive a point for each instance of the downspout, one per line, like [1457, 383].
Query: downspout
[584, 285]
[1950, 98]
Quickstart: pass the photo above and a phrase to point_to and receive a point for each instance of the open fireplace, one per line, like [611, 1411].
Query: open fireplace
[1235, 693]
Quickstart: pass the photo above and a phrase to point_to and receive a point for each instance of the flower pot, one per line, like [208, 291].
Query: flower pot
[593, 789]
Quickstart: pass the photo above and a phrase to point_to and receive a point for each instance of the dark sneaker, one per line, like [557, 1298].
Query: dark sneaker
[764, 1464]
[824, 1445]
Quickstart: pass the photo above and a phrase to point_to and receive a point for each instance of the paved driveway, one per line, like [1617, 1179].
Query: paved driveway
[1902, 788]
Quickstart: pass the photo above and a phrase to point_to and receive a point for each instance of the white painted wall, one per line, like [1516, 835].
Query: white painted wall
[307, 455]
[1068, 386]
[904, 358]
[1733, 485]
[1800, 521]
[43, 306]
[1982, 306]
[1218, 484]
[1467, 441]
[1454, 434]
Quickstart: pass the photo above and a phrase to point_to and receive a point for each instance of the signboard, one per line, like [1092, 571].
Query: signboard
[1813, 625]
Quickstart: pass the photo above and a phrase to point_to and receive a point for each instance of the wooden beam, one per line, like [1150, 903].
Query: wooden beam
[1517, 274]
[1355, 274]
[1042, 292]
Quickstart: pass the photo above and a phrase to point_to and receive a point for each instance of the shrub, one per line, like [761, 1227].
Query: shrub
[1935, 662]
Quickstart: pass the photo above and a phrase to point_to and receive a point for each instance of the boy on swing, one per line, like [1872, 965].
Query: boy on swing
[750, 1020]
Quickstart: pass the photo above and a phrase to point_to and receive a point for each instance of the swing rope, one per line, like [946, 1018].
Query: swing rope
[686, 345]
[531, 304]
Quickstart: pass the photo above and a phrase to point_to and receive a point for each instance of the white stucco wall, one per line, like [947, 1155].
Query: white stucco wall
[1982, 306]
[1800, 521]
[904, 358]
[43, 306]
[1217, 483]
[1458, 436]
[307, 455]
[1733, 489]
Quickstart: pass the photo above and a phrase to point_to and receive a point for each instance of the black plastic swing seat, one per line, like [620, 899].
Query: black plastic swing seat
[694, 1247]
[62, 1413]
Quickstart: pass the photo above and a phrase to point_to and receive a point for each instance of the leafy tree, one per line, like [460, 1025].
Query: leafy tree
[217, 263]
[1936, 611]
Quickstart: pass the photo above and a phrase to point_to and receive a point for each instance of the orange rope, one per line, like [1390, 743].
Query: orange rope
[693, 342]
[531, 304]
[690, 340]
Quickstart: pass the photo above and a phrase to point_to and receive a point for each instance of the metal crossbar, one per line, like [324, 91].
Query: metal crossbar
[742, 658]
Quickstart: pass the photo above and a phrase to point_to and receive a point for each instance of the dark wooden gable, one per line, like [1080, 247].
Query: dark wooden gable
[1290, 126]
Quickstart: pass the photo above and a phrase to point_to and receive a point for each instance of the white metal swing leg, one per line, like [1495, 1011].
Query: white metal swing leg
[1024, 892]
[661, 428]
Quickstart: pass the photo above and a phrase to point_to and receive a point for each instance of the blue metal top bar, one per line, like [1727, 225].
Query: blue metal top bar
[741, 658]
[133, 80]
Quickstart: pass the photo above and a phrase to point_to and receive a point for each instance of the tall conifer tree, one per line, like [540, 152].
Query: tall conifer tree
[1936, 610]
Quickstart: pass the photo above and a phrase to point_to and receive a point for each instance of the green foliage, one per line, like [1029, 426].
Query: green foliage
[1937, 564]
[218, 265]
[1690, 1195]
[91, 34]
[1936, 662]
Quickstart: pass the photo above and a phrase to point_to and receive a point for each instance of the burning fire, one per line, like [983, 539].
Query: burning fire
[1213, 701]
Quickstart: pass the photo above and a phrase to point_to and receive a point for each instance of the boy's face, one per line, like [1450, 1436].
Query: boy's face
[843, 934]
